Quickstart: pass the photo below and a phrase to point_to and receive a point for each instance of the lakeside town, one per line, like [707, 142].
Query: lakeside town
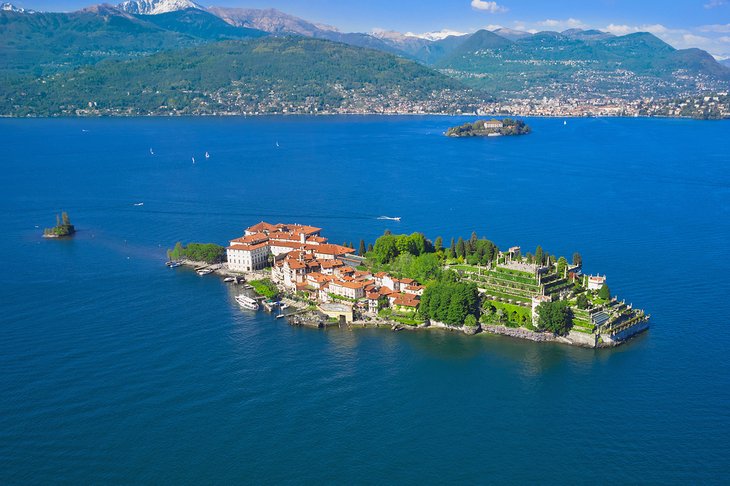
[708, 106]
[714, 105]
[407, 282]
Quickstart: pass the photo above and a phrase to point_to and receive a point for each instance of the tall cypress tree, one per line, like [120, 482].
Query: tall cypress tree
[460, 248]
[361, 251]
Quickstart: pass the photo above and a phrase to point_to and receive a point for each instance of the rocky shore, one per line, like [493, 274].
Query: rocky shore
[301, 316]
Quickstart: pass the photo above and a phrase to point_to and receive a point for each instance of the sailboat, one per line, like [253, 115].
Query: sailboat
[277, 143]
[193, 160]
[151, 152]
[207, 155]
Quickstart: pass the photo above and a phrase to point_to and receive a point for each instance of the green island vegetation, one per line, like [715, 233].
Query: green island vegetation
[472, 283]
[198, 252]
[487, 128]
[260, 75]
[63, 227]
[265, 287]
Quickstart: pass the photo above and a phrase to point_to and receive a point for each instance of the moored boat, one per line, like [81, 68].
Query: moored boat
[247, 302]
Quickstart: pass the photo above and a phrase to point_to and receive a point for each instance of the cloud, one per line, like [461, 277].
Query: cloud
[491, 7]
[719, 28]
[570, 23]
[715, 4]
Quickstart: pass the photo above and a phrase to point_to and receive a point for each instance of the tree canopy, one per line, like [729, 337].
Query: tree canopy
[450, 302]
[555, 317]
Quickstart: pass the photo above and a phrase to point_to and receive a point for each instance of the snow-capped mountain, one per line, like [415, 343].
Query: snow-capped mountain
[154, 7]
[9, 7]
[270, 20]
[436, 36]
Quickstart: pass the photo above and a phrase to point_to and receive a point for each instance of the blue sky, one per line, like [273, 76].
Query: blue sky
[682, 23]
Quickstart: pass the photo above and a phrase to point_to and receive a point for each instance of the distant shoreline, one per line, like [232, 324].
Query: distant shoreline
[295, 115]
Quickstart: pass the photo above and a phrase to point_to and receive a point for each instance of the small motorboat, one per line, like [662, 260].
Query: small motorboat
[229, 279]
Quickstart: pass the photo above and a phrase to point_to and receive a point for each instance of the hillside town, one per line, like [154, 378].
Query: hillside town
[303, 262]
[714, 105]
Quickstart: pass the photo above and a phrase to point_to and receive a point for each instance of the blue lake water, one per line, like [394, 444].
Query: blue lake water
[115, 369]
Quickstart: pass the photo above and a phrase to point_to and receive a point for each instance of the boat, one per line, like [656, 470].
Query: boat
[151, 152]
[277, 143]
[390, 218]
[139, 204]
[204, 271]
[283, 306]
[247, 302]
[193, 160]
[207, 155]
[229, 279]
[173, 264]
[565, 122]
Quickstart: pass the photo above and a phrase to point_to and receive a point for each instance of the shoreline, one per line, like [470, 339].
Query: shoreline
[304, 317]
[359, 114]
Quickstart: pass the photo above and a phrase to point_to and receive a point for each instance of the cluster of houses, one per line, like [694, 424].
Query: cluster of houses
[302, 261]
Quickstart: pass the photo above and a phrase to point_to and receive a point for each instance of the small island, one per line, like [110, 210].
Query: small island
[489, 128]
[62, 229]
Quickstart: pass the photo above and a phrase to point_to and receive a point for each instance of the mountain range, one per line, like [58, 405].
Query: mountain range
[506, 63]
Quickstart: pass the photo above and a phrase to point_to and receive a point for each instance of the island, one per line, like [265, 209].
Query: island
[489, 128]
[62, 229]
[409, 282]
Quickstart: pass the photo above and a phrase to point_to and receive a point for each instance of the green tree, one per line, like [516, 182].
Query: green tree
[539, 256]
[438, 243]
[577, 259]
[554, 317]
[177, 252]
[452, 249]
[604, 292]
[361, 250]
[385, 249]
[370, 247]
[450, 302]
[562, 265]
[470, 321]
[64, 218]
[582, 302]
[460, 248]
[425, 267]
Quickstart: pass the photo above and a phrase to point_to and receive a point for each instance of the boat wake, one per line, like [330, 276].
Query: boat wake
[390, 218]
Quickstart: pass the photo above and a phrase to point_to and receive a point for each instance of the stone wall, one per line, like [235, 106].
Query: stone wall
[518, 332]
[622, 336]
[582, 339]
